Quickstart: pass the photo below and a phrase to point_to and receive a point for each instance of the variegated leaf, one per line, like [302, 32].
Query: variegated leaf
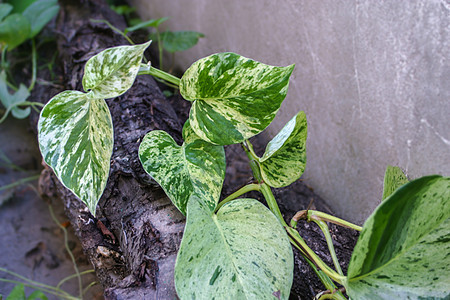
[76, 141]
[242, 252]
[195, 167]
[234, 98]
[393, 179]
[112, 72]
[188, 134]
[284, 160]
[404, 246]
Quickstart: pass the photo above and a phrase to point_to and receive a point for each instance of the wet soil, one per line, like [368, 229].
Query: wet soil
[31, 242]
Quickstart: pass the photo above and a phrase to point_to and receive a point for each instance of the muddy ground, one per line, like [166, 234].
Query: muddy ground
[31, 243]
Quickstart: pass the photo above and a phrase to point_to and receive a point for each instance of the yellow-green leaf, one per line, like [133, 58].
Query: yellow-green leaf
[14, 30]
[242, 252]
[403, 251]
[39, 13]
[234, 98]
[195, 167]
[284, 160]
[76, 141]
[112, 72]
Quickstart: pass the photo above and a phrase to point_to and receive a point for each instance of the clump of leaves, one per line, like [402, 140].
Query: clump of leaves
[16, 27]
[237, 248]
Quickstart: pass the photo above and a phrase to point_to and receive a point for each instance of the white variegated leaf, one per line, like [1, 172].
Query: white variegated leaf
[403, 251]
[242, 252]
[112, 72]
[234, 98]
[284, 160]
[195, 167]
[76, 141]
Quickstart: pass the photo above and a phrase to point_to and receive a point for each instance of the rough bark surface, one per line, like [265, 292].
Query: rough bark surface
[133, 248]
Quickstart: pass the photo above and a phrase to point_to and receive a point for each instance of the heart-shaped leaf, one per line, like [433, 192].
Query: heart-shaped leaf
[195, 167]
[241, 253]
[284, 160]
[5, 9]
[12, 101]
[112, 72]
[404, 246]
[14, 30]
[40, 13]
[393, 179]
[234, 98]
[76, 141]
[176, 41]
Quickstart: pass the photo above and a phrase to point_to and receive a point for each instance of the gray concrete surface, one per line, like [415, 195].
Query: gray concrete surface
[372, 76]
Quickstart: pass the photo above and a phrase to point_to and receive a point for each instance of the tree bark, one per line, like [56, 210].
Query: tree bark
[134, 246]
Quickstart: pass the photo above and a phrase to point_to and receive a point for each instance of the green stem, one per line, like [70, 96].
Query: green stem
[313, 256]
[26, 103]
[253, 160]
[272, 203]
[19, 182]
[114, 29]
[318, 215]
[324, 227]
[89, 286]
[4, 57]
[293, 234]
[73, 276]
[33, 65]
[240, 192]
[149, 70]
[251, 150]
[66, 244]
[327, 282]
[59, 294]
[31, 283]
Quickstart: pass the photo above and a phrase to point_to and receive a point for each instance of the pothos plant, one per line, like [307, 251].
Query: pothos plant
[238, 248]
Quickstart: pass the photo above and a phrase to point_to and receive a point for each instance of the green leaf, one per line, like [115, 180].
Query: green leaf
[150, 23]
[403, 250]
[37, 295]
[195, 167]
[5, 9]
[189, 135]
[112, 72]
[76, 141]
[19, 5]
[393, 179]
[241, 253]
[284, 160]
[234, 98]
[40, 13]
[123, 10]
[11, 101]
[175, 41]
[17, 293]
[14, 30]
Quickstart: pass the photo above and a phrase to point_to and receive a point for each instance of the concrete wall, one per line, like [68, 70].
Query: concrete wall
[372, 76]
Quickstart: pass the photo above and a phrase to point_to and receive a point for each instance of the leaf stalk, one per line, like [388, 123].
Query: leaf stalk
[312, 215]
[243, 190]
[149, 70]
